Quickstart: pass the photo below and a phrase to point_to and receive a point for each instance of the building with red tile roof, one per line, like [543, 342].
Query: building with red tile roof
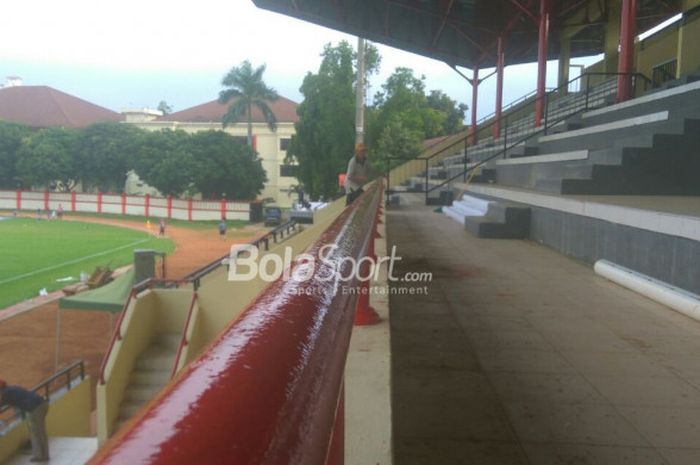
[271, 146]
[43, 107]
[284, 109]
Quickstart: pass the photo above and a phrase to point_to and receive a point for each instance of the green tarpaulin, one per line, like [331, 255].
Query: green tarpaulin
[108, 298]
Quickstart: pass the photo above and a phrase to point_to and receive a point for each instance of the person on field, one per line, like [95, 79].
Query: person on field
[222, 229]
[34, 407]
[161, 227]
[356, 175]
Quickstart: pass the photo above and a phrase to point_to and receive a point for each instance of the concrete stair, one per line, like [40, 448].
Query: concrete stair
[503, 220]
[467, 206]
[490, 218]
[152, 371]
[647, 160]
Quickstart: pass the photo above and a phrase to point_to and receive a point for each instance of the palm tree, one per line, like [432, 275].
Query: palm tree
[247, 84]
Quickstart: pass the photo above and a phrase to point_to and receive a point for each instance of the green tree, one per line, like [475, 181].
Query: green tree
[105, 155]
[454, 121]
[403, 97]
[225, 167]
[164, 107]
[325, 132]
[245, 86]
[11, 137]
[48, 159]
[402, 117]
[397, 141]
[165, 161]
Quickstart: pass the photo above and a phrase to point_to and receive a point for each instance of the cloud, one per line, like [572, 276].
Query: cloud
[135, 52]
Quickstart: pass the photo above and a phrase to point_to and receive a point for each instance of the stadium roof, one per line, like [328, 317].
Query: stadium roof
[43, 106]
[284, 109]
[464, 32]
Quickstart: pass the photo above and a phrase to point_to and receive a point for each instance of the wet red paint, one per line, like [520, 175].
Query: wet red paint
[266, 390]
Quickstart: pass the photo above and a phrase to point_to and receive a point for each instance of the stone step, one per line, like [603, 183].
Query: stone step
[127, 409]
[167, 340]
[141, 392]
[155, 358]
[150, 377]
[505, 212]
[489, 228]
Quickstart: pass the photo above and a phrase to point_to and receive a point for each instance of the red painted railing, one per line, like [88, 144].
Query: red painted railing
[183, 337]
[117, 334]
[192, 278]
[268, 389]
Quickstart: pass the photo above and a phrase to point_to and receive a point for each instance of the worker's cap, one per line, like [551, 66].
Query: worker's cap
[360, 148]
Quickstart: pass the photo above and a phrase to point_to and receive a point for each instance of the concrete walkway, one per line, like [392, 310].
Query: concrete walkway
[519, 355]
[64, 451]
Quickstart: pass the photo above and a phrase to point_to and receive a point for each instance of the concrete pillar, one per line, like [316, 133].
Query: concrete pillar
[564, 62]
[500, 64]
[612, 36]
[545, 9]
[475, 97]
[688, 36]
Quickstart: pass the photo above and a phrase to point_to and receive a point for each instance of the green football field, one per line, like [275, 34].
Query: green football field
[35, 254]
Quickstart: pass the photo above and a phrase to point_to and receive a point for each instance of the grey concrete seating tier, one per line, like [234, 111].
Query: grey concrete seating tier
[643, 146]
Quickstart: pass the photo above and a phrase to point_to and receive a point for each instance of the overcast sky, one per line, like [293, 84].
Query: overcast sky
[133, 53]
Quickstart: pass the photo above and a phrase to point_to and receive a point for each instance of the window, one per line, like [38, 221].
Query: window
[288, 170]
[284, 143]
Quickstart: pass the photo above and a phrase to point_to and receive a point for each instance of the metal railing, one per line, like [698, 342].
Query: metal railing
[193, 278]
[523, 100]
[587, 99]
[559, 105]
[269, 389]
[664, 72]
[63, 378]
[184, 341]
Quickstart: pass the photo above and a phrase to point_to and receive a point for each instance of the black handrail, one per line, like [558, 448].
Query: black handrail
[467, 135]
[511, 105]
[195, 276]
[546, 125]
[44, 387]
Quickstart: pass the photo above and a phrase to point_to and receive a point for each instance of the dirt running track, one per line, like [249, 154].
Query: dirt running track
[28, 341]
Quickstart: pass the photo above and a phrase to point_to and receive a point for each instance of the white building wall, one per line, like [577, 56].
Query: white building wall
[267, 144]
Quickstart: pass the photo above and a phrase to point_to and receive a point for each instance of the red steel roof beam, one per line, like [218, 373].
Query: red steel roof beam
[511, 24]
[526, 10]
[447, 7]
[484, 52]
[431, 14]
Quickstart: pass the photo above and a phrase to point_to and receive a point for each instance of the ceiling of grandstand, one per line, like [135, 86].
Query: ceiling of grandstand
[464, 32]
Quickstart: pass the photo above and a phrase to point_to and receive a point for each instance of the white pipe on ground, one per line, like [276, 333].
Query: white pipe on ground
[659, 291]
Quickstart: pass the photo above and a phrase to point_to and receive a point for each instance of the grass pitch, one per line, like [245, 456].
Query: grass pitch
[34, 254]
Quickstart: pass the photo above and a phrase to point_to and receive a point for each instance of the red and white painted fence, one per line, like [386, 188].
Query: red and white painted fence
[122, 204]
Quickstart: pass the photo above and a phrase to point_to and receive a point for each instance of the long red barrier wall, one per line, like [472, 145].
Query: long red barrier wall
[267, 390]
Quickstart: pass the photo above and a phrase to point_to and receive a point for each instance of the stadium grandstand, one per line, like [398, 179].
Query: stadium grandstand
[546, 307]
